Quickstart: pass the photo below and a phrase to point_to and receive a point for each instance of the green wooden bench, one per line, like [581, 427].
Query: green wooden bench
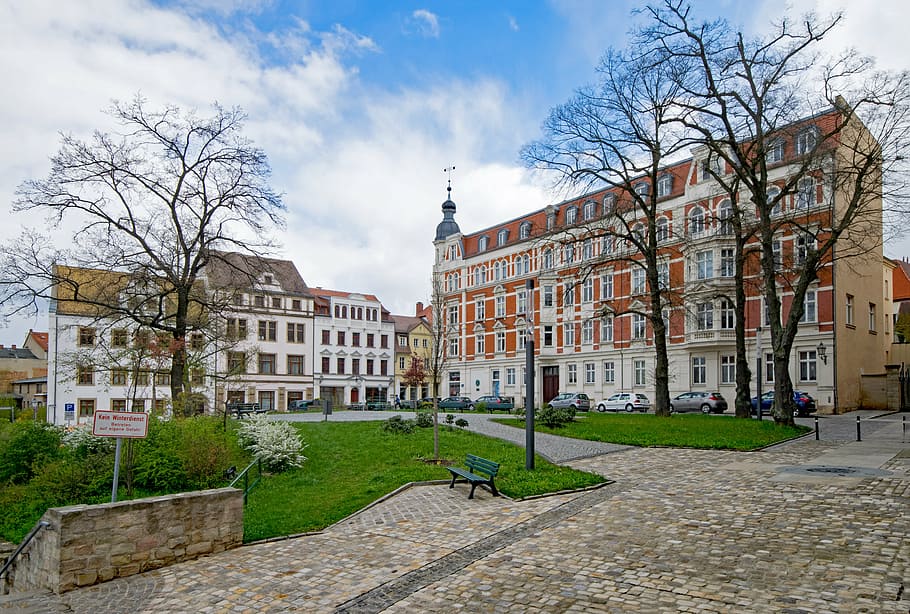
[476, 465]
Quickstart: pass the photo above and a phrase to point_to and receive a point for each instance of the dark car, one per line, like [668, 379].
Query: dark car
[302, 404]
[493, 403]
[705, 402]
[805, 404]
[578, 401]
[460, 403]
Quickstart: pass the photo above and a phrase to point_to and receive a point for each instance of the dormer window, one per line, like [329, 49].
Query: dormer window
[483, 243]
[806, 141]
[551, 221]
[609, 204]
[711, 167]
[571, 215]
[775, 152]
[524, 231]
[664, 185]
[642, 189]
[501, 237]
[588, 210]
[267, 278]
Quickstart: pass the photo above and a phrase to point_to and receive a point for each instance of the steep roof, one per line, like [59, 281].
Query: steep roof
[40, 339]
[341, 294]
[241, 271]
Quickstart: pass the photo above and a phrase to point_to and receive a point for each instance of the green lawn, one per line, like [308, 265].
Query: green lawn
[678, 430]
[351, 464]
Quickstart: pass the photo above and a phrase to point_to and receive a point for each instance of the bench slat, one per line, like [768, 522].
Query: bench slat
[482, 465]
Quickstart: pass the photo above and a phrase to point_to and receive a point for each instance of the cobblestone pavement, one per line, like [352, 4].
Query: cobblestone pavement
[678, 531]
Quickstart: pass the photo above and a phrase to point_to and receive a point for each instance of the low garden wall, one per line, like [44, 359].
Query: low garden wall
[87, 544]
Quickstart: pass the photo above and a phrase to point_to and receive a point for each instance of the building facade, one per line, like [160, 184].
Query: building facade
[584, 311]
[413, 352]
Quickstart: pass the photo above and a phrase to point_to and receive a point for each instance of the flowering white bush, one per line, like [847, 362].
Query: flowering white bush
[278, 444]
[80, 437]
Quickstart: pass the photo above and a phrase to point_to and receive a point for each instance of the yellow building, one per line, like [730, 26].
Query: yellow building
[413, 348]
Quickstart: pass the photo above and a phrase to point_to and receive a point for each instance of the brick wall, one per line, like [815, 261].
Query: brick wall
[87, 544]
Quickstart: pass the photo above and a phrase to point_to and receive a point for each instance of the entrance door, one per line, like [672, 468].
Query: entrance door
[355, 395]
[550, 385]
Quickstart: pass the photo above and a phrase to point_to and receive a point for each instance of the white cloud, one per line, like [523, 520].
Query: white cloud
[427, 23]
[513, 23]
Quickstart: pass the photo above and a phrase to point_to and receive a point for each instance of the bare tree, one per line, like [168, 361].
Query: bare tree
[622, 134]
[437, 360]
[746, 98]
[157, 201]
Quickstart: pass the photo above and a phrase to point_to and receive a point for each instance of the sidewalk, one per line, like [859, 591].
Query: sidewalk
[679, 530]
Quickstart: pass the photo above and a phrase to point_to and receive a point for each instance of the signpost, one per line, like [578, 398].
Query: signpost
[119, 424]
[69, 411]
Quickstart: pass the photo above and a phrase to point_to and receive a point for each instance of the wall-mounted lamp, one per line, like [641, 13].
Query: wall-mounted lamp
[822, 352]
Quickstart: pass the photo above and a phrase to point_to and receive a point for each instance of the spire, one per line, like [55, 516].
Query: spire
[448, 225]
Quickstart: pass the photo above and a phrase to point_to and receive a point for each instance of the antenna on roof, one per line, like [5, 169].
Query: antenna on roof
[448, 171]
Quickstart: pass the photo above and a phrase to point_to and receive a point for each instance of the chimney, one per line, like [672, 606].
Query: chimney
[419, 308]
[1, 346]
[13, 346]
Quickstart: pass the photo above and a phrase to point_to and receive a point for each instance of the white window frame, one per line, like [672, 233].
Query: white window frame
[500, 306]
[587, 290]
[480, 343]
[606, 286]
[606, 329]
[808, 366]
[704, 264]
[587, 332]
[728, 369]
[639, 367]
[699, 370]
[590, 373]
[568, 335]
[609, 372]
[638, 281]
[572, 373]
[704, 316]
[500, 341]
[639, 327]
[480, 309]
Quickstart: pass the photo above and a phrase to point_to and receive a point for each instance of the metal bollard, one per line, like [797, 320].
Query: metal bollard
[858, 437]
[904, 429]
[816, 428]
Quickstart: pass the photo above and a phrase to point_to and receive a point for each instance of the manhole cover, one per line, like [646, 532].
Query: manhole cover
[837, 470]
[822, 470]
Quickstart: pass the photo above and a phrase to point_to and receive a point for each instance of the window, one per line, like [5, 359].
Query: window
[339, 364]
[326, 337]
[525, 265]
[606, 329]
[502, 237]
[548, 335]
[704, 264]
[638, 280]
[141, 339]
[85, 375]
[704, 316]
[696, 221]
[355, 340]
[711, 165]
[572, 373]
[401, 363]
[587, 290]
[725, 217]
[453, 346]
[500, 341]
[871, 317]
[775, 152]
[524, 231]
[588, 210]
[777, 254]
[568, 296]
[510, 376]
[568, 335]
[606, 286]
[276, 302]
[296, 305]
[259, 301]
[569, 254]
[453, 315]
[774, 198]
[267, 364]
[118, 404]
[642, 189]
[805, 193]
[197, 376]
[664, 185]
[769, 368]
[86, 336]
[609, 372]
[162, 378]
[608, 244]
[587, 332]
[118, 338]
[356, 365]
[522, 339]
[638, 367]
[638, 326]
[521, 300]
[371, 340]
[728, 369]
[809, 307]
[480, 310]
[587, 249]
[196, 342]
[383, 341]
[548, 296]
[296, 332]
[296, 364]
[727, 314]
[547, 259]
[699, 370]
[118, 377]
[571, 215]
[551, 221]
[483, 243]
[806, 141]
[590, 373]
[727, 262]
[267, 399]
[807, 366]
[142, 378]
[663, 275]
[662, 229]
[805, 244]
[638, 233]
[268, 331]
[340, 337]
[480, 344]
[86, 407]
[609, 204]
[849, 317]
[500, 306]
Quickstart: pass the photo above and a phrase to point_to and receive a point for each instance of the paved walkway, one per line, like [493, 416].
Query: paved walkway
[678, 531]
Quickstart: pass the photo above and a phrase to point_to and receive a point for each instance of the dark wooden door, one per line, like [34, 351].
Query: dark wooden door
[550, 383]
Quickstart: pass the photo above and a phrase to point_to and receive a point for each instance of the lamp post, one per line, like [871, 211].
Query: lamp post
[758, 358]
[529, 378]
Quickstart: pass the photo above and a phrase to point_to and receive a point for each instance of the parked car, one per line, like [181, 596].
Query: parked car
[578, 401]
[805, 404]
[493, 403]
[302, 404]
[459, 403]
[705, 402]
[628, 401]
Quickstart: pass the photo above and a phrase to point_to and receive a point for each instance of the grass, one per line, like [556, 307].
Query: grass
[351, 464]
[678, 430]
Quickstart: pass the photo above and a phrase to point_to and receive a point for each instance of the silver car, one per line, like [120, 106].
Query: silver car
[578, 401]
[705, 402]
[628, 401]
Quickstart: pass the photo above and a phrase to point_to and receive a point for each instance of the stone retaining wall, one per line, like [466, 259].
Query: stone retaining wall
[87, 544]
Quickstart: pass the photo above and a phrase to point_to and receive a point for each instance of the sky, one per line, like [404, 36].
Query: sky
[359, 105]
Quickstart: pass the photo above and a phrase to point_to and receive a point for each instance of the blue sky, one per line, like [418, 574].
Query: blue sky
[360, 105]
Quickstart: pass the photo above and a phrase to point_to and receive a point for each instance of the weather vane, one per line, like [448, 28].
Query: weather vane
[448, 171]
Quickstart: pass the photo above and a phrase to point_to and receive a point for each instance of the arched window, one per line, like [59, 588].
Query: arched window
[502, 236]
[524, 231]
[696, 221]
[547, 259]
[725, 217]
[482, 243]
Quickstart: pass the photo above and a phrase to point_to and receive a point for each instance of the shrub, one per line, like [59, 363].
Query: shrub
[24, 448]
[80, 440]
[424, 419]
[450, 419]
[555, 417]
[278, 444]
[481, 407]
[75, 478]
[397, 425]
[461, 422]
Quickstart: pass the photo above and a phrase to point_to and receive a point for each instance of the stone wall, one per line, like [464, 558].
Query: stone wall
[87, 544]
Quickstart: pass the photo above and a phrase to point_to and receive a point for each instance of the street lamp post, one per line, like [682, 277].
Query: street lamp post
[758, 358]
[529, 378]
